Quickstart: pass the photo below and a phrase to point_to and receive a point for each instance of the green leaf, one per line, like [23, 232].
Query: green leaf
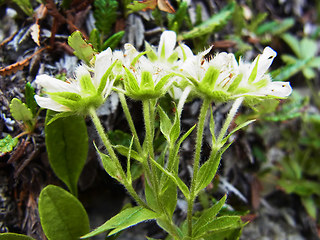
[293, 43]
[124, 151]
[105, 14]
[67, 146]
[95, 39]
[208, 215]
[81, 48]
[175, 130]
[220, 224]
[308, 48]
[242, 125]
[211, 25]
[62, 216]
[109, 165]
[165, 123]
[25, 6]
[7, 144]
[113, 41]
[182, 186]
[20, 111]
[14, 236]
[125, 219]
[178, 18]
[309, 204]
[30, 101]
[288, 71]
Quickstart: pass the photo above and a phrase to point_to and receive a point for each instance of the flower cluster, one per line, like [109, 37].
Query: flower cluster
[150, 74]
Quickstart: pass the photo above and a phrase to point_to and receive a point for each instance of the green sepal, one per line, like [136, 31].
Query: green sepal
[209, 80]
[124, 151]
[152, 56]
[7, 144]
[173, 57]
[130, 82]
[113, 41]
[254, 71]
[109, 165]
[208, 215]
[163, 81]
[86, 84]
[220, 96]
[104, 78]
[136, 58]
[125, 219]
[146, 82]
[260, 84]
[234, 85]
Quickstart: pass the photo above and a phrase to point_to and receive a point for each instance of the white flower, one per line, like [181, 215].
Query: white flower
[222, 78]
[89, 88]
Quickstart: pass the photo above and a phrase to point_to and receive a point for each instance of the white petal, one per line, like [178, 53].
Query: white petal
[278, 89]
[184, 52]
[55, 85]
[168, 41]
[48, 103]
[103, 62]
[81, 71]
[265, 60]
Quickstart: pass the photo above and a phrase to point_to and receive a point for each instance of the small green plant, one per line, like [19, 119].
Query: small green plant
[147, 77]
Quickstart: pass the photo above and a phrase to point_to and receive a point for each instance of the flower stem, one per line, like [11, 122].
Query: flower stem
[196, 162]
[231, 114]
[130, 121]
[113, 156]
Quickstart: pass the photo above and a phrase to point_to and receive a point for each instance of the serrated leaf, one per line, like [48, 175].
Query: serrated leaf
[14, 236]
[211, 25]
[81, 48]
[62, 216]
[30, 101]
[67, 147]
[123, 220]
[113, 41]
[208, 215]
[105, 14]
[20, 111]
[7, 144]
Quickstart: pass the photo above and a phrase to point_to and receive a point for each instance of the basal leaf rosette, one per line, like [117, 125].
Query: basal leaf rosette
[90, 87]
[221, 78]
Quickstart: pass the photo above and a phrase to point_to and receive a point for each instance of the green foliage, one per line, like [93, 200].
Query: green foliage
[67, 147]
[210, 26]
[126, 218]
[20, 111]
[14, 236]
[105, 14]
[30, 101]
[176, 20]
[62, 216]
[113, 41]
[7, 144]
[305, 58]
[81, 48]
[25, 6]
